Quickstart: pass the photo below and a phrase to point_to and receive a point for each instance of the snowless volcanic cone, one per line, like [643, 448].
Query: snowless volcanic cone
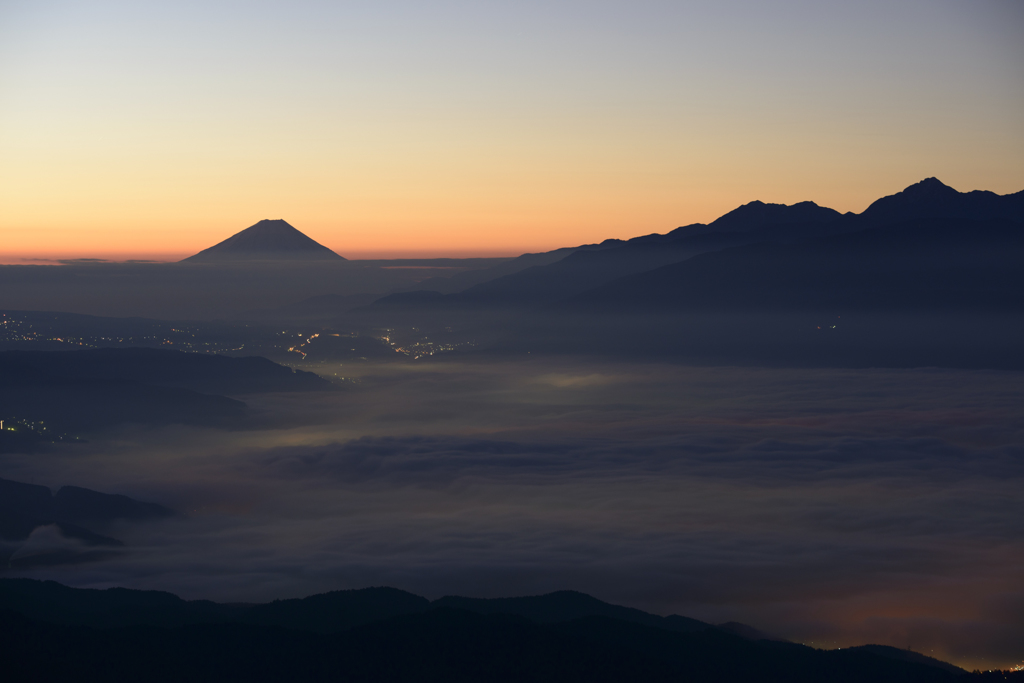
[268, 240]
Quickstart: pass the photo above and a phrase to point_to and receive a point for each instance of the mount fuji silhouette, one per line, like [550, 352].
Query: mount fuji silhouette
[268, 240]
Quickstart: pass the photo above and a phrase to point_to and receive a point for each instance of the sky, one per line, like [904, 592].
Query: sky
[155, 129]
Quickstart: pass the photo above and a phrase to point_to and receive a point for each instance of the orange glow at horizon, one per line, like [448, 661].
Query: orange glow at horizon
[404, 226]
[480, 131]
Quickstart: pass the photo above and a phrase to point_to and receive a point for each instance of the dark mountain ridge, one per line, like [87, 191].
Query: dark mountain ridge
[944, 263]
[437, 645]
[207, 373]
[322, 613]
[73, 504]
[761, 216]
[757, 222]
[931, 199]
[383, 634]
[574, 271]
[462, 281]
[56, 395]
[75, 511]
[566, 606]
[924, 293]
[878, 289]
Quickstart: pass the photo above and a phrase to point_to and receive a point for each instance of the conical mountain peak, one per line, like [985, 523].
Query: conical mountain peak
[268, 240]
[272, 225]
[931, 182]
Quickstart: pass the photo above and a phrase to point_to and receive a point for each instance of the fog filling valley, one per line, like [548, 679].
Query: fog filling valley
[827, 506]
[797, 419]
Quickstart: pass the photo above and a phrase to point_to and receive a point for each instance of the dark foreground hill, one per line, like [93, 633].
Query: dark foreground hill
[438, 645]
[51, 632]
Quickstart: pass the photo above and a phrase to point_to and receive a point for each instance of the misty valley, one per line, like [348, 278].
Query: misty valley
[786, 445]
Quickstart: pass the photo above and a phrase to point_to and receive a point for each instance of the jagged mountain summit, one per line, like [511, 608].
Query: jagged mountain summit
[759, 215]
[932, 199]
[268, 240]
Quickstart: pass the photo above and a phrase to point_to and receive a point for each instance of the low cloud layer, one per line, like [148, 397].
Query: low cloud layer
[830, 507]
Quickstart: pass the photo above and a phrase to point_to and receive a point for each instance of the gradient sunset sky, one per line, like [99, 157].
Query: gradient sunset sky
[155, 129]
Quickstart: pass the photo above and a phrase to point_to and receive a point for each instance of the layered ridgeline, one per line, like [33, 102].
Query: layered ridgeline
[77, 516]
[926, 218]
[928, 246]
[268, 240]
[59, 395]
[385, 634]
[928, 276]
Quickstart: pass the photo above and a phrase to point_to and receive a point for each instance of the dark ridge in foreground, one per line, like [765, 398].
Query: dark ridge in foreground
[438, 645]
[54, 632]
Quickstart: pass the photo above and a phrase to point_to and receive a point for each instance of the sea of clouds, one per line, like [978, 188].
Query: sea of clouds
[831, 507]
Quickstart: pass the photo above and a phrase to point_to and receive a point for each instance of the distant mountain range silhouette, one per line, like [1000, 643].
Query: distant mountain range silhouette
[926, 276]
[758, 215]
[925, 215]
[268, 240]
[926, 247]
[931, 198]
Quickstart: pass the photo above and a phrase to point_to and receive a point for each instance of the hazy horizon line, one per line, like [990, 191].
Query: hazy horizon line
[174, 257]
